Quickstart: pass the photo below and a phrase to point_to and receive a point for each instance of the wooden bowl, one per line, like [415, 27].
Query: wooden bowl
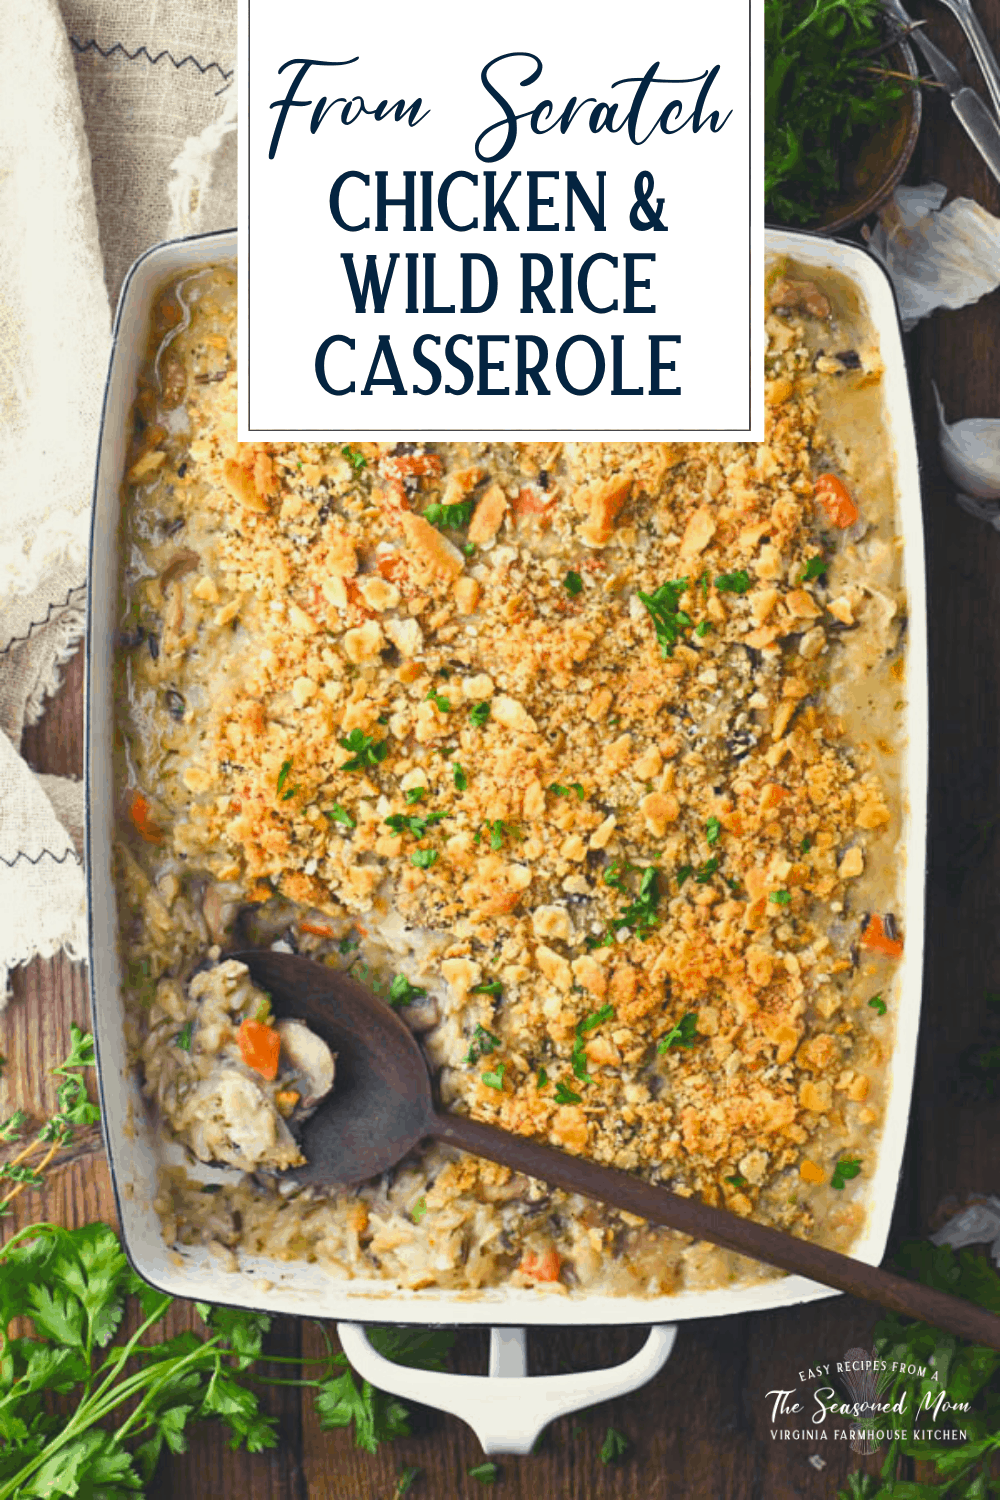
[882, 158]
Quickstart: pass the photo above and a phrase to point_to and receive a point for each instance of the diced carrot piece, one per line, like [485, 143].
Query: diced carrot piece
[142, 818]
[260, 1047]
[543, 1267]
[317, 929]
[809, 1172]
[878, 940]
[421, 464]
[835, 498]
[531, 503]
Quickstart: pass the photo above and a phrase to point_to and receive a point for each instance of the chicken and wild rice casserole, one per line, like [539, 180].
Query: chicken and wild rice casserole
[584, 756]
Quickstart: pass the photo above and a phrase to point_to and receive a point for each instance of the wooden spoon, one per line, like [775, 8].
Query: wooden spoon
[381, 1107]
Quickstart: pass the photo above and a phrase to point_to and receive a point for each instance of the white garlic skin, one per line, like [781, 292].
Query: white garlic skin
[970, 452]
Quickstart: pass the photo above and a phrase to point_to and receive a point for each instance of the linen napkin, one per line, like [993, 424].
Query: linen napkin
[117, 129]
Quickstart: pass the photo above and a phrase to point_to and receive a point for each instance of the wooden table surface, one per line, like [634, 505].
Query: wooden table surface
[701, 1430]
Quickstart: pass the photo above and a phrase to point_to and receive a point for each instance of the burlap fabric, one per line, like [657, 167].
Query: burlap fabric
[117, 129]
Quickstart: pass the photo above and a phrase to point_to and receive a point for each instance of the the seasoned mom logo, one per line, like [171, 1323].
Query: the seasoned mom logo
[865, 1401]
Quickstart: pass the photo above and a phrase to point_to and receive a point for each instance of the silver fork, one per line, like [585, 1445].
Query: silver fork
[986, 58]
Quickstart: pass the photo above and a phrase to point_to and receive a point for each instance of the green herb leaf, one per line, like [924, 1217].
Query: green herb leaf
[494, 1078]
[440, 702]
[488, 987]
[402, 992]
[615, 1444]
[479, 713]
[486, 1473]
[183, 1037]
[416, 794]
[406, 1479]
[713, 828]
[565, 1095]
[684, 1034]
[339, 814]
[669, 620]
[877, 1003]
[805, 845]
[541, 1078]
[356, 460]
[418, 1210]
[702, 629]
[684, 873]
[286, 766]
[573, 583]
[459, 777]
[424, 858]
[734, 583]
[482, 1044]
[780, 898]
[450, 517]
[365, 750]
[738, 1180]
[846, 1168]
[814, 568]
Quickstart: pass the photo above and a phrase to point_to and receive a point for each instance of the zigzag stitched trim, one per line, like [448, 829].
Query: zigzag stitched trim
[37, 624]
[94, 46]
[59, 859]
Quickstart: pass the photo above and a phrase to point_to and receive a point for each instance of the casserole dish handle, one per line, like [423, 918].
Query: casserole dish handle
[507, 1409]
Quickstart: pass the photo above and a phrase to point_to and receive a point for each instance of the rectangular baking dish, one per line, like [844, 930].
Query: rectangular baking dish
[134, 1151]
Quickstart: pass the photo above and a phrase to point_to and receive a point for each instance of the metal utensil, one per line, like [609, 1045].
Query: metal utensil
[382, 1107]
[970, 109]
[983, 52]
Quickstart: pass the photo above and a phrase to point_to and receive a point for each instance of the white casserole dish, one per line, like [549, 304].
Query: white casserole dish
[131, 1140]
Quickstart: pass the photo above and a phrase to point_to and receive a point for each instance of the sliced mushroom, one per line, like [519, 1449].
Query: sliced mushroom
[310, 1059]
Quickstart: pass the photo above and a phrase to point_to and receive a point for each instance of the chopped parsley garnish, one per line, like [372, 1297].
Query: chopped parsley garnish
[846, 1168]
[183, 1037]
[684, 1034]
[479, 713]
[615, 874]
[482, 1044]
[440, 702]
[364, 749]
[459, 777]
[814, 568]
[347, 943]
[469, 549]
[877, 1003]
[684, 873]
[703, 583]
[286, 766]
[494, 1078]
[564, 1095]
[415, 794]
[454, 517]
[338, 814]
[418, 1210]
[486, 1473]
[805, 845]
[669, 620]
[423, 858]
[488, 987]
[614, 1445]
[573, 583]
[641, 914]
[780, 898]
[565, 791]
[595, 1019]
[704, 874]
[541, 1078]
[402, 992]
[733, 583]
[415, 823]
[738, 1180]
[356, 460]
[702, 628]
[712, 830]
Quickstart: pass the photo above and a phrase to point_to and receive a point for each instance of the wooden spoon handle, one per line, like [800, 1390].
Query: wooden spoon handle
[689, 1215]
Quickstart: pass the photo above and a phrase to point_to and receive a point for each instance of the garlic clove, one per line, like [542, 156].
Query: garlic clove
[970, 452]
